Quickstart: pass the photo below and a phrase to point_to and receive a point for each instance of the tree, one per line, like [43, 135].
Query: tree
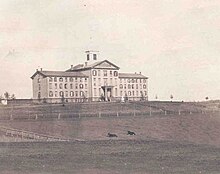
[171, 97]
[7, 95]
[207, 98]
[13, 97]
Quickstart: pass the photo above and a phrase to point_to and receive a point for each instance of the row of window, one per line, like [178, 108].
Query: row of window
[67, 94]
[66, 79]
[67, 86]
[105, 81]
[132, 86]
[105, 73]
[133, 80]
[132, 93]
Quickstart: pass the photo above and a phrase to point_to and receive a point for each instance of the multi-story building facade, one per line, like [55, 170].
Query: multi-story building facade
[92, 81]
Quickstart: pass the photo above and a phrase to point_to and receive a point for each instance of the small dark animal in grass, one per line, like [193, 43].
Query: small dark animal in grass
[131, 133]
[111, 135]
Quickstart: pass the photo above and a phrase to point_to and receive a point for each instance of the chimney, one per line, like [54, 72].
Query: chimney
[71, 67]
[41, 69]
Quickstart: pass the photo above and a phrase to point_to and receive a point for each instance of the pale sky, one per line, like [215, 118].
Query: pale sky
[176, 43]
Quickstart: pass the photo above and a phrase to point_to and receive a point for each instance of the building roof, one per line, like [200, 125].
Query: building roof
[89, 66]
[132, 75]
[59, 74]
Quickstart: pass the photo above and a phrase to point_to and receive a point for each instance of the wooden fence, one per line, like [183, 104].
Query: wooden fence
[27, 135]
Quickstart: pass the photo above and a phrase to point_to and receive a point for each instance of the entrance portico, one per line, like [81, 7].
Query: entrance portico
[107, 92]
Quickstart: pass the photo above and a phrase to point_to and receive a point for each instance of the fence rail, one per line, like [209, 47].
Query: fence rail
[78, 115]
[28, 135]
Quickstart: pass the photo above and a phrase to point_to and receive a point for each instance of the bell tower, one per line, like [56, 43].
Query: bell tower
[91, 56]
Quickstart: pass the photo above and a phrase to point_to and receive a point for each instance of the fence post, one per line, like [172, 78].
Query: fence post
[36, 117]
[165, 112]
[179, 112]
[58, 116]
[150, 111]
[11, 117]
[99, 114]
[117, 114]
[190, 112]
[79, 115]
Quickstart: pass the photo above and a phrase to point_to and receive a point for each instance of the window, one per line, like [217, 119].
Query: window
[50, 85]
[81, 86]
[115, 73]
[71, 79]
[66, 93]
[94, 80]
[116, 81]
[99, 81]
[140, 86]
[55, 79]
[76, 79]
[65, 86]
[144, 86]
[60, 79]
[136, 86]
[71, 86]
[99, 73]
[144, 80]
[61, 94]
[110, 81]
[124, 86]
[61, 86]
[120, 80]
[105, 81]
[129, 93]
[76, 93]
[39, 87]
[140, 81]
[76, 86]
[55, 85]
[133, 93]
[129, 86]
[71, 93]
[145, 93]
[87, 57]
[66, 79]
[121, 86]
[50, 79]
[85, 79]
[55, 94]
[121, 93]
[110, 72]
[94, 72]
[132, 80]
[50, 94]
[128, 80]
[80, 80]
[85, 86]
[94, 56]
[105, 72]
[81, 93]
[132, 86]
[137, 93]
[38, 80]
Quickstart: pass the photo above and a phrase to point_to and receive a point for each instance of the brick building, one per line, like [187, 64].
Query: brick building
[93, 80]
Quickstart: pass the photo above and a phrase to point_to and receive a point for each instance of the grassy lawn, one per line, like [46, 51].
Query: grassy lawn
[109, 156]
